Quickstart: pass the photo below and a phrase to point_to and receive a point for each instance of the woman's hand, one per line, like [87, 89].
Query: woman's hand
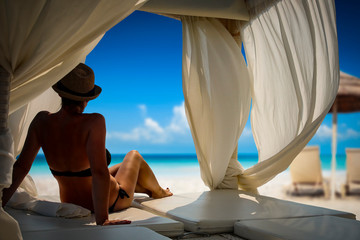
[116, 222]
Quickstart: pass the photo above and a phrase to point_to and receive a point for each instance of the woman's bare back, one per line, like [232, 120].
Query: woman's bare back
[64, 139]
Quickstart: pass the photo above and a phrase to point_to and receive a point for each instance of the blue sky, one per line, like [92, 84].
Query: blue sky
[138, 66]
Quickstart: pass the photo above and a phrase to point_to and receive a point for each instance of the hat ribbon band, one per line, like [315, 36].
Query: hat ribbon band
[65, 89]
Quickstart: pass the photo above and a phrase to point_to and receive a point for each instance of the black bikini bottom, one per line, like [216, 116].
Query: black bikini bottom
[122, 193]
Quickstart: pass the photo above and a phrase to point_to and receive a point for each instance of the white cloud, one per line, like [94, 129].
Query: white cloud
[343, 133]
[324, 132]
[152, 132]
[349, 134]
[179, 122]
[143, 109]
[246, 132]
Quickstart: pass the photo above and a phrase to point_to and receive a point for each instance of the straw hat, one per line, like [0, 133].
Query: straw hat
[78, 84]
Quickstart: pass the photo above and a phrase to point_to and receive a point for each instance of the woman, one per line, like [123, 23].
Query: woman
[74, 147]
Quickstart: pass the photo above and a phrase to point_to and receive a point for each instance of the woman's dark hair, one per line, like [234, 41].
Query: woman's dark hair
[69, 102]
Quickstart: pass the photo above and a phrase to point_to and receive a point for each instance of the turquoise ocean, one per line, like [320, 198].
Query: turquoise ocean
[166, 164]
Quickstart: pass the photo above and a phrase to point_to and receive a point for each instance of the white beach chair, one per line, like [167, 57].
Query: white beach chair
[32, 222]
[306, 173]
[47, 213]
[352, 184]
[217, 211]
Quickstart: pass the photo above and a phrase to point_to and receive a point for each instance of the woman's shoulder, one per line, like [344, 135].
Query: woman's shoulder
[94, 118]
[39, 120]
[41, 116]
[94, 124]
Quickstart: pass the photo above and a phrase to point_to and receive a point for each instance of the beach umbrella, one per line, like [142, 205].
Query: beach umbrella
[347, 100]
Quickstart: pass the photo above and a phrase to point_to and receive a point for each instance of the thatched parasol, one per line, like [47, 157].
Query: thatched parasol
[347, 100]
[348, 96]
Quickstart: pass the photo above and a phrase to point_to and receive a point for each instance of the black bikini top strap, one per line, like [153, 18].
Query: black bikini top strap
[108, 157]
[83, 173]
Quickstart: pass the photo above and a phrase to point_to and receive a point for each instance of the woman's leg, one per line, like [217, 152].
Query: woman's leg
[138, 189]
[135, 174]
[148, 181]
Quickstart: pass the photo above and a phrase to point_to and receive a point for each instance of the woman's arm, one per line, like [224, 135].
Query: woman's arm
[23, 163]
[95, 148]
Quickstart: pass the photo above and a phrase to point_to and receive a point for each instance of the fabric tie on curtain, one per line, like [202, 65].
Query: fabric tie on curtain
[293, 82]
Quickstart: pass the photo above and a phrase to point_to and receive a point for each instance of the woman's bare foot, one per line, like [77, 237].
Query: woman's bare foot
[162, 193]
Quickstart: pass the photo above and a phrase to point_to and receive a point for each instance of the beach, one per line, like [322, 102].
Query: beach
[183, 176]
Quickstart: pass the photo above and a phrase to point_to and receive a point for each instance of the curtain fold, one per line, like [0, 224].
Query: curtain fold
[43, 40]
[19, 121]
[292, 55]
[217, 97]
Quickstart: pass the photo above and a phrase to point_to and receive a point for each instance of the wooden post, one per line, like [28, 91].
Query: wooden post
[4, 99]
[333, 151]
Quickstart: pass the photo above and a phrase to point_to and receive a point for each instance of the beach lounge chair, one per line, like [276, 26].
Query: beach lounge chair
[306, 174]
[30, 221]
[33, 222]
[47, 213]
[352, 184]
[217, 211]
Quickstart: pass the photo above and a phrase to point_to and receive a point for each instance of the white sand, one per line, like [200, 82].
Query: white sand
[276, 188]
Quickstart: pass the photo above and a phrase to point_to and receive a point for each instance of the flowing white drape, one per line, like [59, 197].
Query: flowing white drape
[41, 41]
[217, 97]
[292, 55]
[19, 121]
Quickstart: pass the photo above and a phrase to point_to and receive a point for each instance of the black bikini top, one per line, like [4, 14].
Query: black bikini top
[83, 173]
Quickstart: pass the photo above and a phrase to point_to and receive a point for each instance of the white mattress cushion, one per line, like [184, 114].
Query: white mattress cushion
[95, 233]
[320, 227]
[29, 221]
[162, 225]
[25, 201]
[217, 211]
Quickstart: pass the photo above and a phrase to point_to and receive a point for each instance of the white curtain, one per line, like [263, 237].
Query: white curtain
[217, 97]
[41, 41]
[292, 55]
[19, 121]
